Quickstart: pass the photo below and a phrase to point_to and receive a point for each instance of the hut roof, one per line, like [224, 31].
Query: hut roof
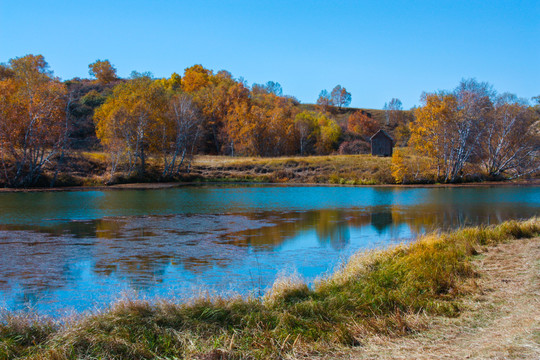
[381, 132]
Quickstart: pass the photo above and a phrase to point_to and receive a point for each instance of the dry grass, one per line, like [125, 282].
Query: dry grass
[501, 320]
[382, 295]
[333, 169]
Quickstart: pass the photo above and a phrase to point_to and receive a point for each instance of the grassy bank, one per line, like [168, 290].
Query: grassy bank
[374, 293]
[90, 169]
[331, 169]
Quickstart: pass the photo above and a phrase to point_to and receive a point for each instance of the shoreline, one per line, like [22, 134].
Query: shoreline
[170, 185]
[345, 313]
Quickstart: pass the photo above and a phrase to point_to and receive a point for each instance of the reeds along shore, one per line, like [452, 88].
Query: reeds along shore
[373, 293]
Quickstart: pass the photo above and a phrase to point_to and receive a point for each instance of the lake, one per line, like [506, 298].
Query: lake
[64, 252]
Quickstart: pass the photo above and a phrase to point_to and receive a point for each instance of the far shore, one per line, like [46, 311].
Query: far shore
[169, 185]
[89, 172]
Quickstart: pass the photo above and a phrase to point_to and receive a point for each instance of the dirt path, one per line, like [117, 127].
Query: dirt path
[501, 322]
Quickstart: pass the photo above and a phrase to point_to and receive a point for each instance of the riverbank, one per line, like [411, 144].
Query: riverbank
[332, 170]
[499, 321]
[391, 293]
[88, 170]
[170, 185]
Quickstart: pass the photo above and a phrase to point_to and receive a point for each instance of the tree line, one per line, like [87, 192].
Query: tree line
[44, 120]
[474, 127]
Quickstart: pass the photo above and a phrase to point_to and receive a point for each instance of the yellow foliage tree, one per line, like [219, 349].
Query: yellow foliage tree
[432, 131]
[174, 83]
[329, 133]
[399, 168]
[129, 121]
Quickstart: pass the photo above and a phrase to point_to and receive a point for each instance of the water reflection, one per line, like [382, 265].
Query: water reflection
[59, 264]
[331, 226]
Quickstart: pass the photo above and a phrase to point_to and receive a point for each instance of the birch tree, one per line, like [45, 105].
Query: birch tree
[32, 114]
[340, 96]
[181, 128]
[510, 144]
[450, 126]
[393, 111]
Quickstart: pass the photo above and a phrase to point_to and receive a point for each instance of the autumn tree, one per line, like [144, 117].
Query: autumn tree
[5, 72]
[449, 126]
[274, 88]
[393, 111]
[270, 87]
[324, 100]
[103, 71]
[128, 123]
[174, 83]
[32, 119]
[360, 123]
[195, 78]
[328, 134]
[281, 113]
[340, 96]
[180, 130]
[402, 134]
[399, 167]
[432, 131]
[306, 125]
[510, 143]
[263, 125]
[216, 100]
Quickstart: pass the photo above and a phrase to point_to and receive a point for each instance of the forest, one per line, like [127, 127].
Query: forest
[143, 128]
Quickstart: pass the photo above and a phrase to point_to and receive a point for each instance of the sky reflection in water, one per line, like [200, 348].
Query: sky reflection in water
[79, 250]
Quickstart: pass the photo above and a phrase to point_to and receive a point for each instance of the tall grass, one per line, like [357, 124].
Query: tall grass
[373, 292]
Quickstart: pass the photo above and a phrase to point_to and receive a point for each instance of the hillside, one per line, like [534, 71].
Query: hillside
[341, 115]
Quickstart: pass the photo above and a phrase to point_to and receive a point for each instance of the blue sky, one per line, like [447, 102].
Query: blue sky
[376, 49]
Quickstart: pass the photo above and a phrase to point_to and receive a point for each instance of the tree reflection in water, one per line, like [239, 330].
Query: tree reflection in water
[153, 254]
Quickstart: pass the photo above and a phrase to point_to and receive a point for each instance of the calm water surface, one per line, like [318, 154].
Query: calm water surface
[74, 251]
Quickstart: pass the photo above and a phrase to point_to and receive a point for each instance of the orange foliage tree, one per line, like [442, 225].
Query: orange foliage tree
[32, 119]
[103, 71]
[195, 78]
[325, 101]
[360, 123]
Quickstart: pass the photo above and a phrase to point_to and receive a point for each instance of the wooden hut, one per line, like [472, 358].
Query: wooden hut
[381, 144]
